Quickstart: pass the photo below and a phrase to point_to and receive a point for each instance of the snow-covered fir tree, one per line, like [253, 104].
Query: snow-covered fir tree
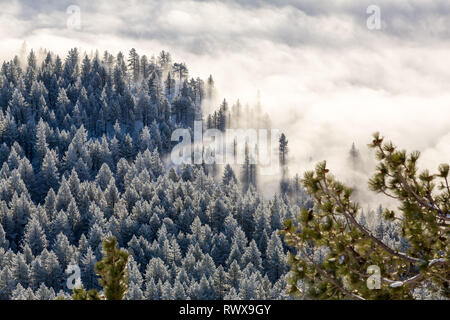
[83, 140]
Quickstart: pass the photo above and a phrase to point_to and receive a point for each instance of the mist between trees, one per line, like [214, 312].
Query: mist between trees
[84, 149]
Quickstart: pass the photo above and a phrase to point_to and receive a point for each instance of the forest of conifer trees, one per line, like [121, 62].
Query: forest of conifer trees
[83, 143]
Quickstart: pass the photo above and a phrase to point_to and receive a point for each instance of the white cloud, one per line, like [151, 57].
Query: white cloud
[324, 77]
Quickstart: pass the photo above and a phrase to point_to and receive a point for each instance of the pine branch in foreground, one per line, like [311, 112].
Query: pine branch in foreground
[113, 272]
[352, 250]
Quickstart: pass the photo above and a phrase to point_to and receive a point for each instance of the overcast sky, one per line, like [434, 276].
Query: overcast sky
[325, 78]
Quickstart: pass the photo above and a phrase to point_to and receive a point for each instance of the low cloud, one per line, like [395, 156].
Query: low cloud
[324, 77]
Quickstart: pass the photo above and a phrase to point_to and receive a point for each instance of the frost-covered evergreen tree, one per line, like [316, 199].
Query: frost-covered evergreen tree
[84, 143]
